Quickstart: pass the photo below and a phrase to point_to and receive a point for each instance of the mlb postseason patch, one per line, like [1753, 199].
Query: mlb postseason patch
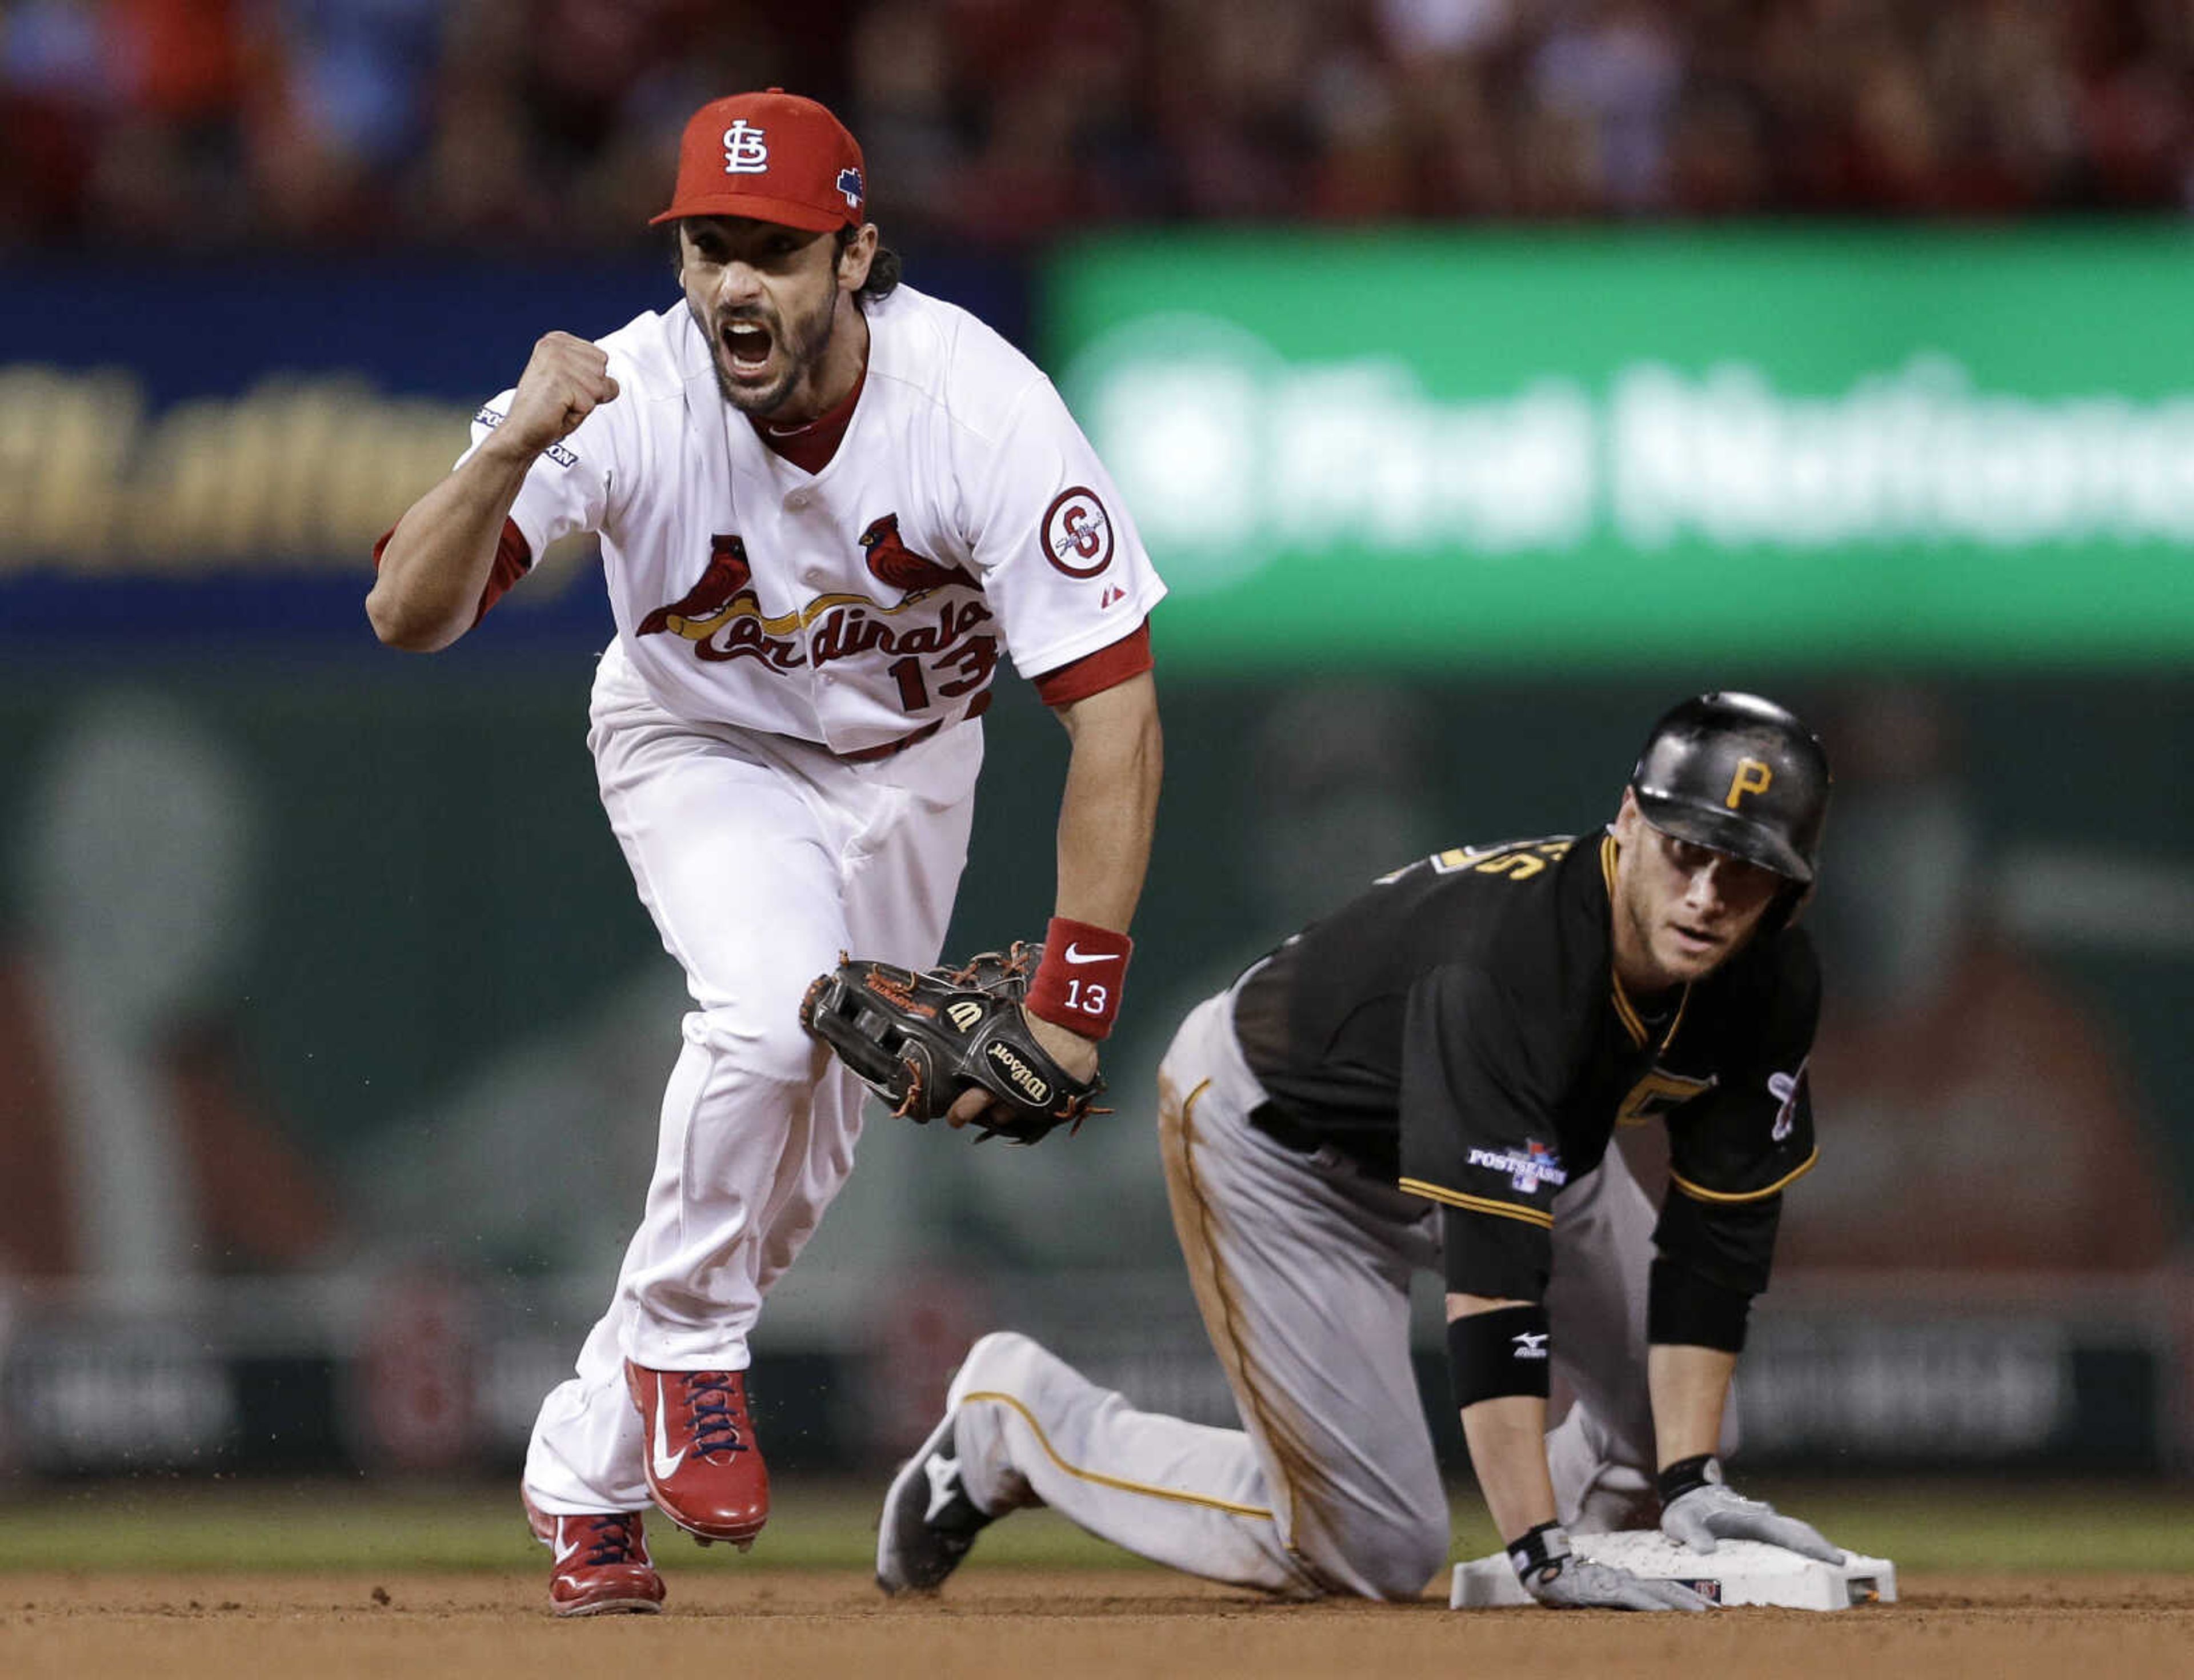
[1526, 1168]
[555, 452]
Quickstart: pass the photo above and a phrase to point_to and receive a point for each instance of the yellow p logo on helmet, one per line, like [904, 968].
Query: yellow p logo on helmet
[1752, 776]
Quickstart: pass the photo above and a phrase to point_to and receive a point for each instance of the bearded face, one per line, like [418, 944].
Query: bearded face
[767, 297]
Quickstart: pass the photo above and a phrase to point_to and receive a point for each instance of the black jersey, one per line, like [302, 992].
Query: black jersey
[1459, 1029]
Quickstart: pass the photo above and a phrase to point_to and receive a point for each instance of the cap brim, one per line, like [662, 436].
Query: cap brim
[1723, 832]
[757, 208]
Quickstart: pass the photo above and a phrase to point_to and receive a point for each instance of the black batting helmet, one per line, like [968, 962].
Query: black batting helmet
[1738, 774]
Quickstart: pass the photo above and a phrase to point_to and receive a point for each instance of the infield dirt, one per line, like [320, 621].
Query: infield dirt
[1035, 1624]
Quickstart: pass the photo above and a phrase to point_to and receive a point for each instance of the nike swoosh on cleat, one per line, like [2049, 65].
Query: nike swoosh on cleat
[665, 1468]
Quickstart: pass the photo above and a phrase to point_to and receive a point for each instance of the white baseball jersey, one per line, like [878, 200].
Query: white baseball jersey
[962, 514]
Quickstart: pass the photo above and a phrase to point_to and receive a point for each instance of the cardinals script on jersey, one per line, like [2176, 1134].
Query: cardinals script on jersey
[849, 607]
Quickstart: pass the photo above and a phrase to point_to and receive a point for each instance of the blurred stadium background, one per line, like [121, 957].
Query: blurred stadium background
[1485, 374]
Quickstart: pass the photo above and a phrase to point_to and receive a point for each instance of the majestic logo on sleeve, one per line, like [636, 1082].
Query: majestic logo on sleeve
[936, 653]
[1527, 1168]
[746, 150]
[1077, 533]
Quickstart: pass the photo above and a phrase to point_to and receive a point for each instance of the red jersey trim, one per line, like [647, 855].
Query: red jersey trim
[513, 559]
[810, 447]
[1094, 673]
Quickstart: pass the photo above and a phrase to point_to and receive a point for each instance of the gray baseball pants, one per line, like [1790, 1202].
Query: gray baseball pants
[1302, 1266]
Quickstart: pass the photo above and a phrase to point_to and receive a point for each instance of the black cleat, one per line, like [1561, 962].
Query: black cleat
[928, 1520]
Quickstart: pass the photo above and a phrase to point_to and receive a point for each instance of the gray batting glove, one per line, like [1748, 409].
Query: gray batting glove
[1557, 1577]
[1700, 1511]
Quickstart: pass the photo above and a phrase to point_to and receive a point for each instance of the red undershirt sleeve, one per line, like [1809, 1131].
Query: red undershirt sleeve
[513, 559]
[1094, 673]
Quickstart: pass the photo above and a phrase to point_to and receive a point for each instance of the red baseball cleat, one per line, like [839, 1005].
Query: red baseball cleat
[601, 1565]
[704, 1468]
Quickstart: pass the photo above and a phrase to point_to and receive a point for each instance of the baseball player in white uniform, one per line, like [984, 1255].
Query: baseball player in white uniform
[827, 505]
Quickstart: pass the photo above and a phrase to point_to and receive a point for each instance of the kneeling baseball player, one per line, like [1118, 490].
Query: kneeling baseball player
[1430, 1077]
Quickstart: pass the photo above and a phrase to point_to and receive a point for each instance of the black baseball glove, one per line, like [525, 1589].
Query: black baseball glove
[918, 1040]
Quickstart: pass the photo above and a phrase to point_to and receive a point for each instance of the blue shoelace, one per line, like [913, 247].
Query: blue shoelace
[716, 1427]
[612, 1541]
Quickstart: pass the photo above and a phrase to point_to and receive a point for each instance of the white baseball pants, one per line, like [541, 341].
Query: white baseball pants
[761, 860]
[1302, 1267]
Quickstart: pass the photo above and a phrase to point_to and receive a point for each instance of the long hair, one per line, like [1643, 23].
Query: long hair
[884, 270]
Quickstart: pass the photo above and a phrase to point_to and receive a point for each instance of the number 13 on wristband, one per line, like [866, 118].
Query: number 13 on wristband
[1077, 984]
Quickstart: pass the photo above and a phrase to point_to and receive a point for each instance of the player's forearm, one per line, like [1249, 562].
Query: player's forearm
[1507, 1443]
[1689, 1387]
[437, 561]
[1110, 806]
[1506, 1430]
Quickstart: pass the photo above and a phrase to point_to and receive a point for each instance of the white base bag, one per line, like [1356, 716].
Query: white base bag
[1737, 1572]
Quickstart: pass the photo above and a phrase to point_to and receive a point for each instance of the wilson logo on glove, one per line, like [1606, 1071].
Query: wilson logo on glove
[1018, 1071]
[918, 1040]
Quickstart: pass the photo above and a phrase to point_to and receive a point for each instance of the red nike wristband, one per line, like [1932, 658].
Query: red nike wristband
[1077, 984]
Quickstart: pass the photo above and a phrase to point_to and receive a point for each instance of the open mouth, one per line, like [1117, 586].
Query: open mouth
[1695, 940]
[747, 345]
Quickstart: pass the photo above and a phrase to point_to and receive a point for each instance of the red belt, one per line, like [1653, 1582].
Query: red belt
[890, 748]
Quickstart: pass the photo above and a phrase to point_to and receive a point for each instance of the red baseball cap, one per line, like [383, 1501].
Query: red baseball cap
[774, 157]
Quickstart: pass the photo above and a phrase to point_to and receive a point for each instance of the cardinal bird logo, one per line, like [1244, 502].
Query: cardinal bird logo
[727, 573]
[893, 563]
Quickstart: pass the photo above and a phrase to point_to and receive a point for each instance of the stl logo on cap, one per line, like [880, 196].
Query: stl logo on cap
[771, 156]
[746, 150]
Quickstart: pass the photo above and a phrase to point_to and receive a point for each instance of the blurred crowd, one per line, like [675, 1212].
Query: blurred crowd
[464, 123]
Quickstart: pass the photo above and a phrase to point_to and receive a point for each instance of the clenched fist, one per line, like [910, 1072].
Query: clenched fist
[566, 380]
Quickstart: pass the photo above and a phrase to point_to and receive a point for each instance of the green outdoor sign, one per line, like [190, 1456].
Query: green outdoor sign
[1824, 447]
